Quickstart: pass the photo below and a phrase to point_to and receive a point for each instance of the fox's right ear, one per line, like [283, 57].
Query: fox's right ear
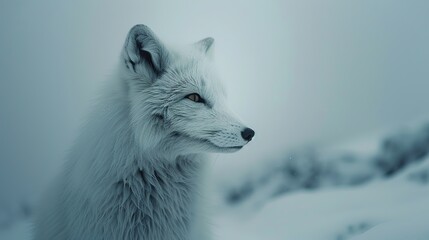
[144, 53]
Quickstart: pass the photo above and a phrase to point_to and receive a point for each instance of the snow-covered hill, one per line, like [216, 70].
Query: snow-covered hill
[337, 166]
[357, 191]
[395, 208]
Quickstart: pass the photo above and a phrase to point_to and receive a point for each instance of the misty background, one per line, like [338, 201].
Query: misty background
[298, 72]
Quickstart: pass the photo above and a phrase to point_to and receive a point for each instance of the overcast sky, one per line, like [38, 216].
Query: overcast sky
[298, 72]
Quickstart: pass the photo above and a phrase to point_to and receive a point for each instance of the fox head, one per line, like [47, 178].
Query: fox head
[177, 102]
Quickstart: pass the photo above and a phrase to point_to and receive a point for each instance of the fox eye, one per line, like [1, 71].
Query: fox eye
[195, 97]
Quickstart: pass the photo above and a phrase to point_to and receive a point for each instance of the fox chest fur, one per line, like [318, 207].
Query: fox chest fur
[152, 203]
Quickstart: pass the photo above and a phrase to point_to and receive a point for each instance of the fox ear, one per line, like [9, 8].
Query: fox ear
[144, 53]
[205, 44]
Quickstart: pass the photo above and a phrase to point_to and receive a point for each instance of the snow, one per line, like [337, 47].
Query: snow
[396, 208]
[410, 227]
[376, 188]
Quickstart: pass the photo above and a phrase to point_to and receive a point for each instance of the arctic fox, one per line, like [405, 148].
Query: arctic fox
[134, 171]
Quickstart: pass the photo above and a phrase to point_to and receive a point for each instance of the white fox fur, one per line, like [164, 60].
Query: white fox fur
[135, 170]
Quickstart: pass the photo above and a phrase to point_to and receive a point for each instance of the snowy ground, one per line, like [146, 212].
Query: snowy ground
[397, 208]
[371, 189]
[360, 191]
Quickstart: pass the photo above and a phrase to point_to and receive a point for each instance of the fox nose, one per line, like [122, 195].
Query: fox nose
[247, 134]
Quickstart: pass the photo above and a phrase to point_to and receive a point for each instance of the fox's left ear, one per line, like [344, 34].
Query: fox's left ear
[144, 53]
[205, 45]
